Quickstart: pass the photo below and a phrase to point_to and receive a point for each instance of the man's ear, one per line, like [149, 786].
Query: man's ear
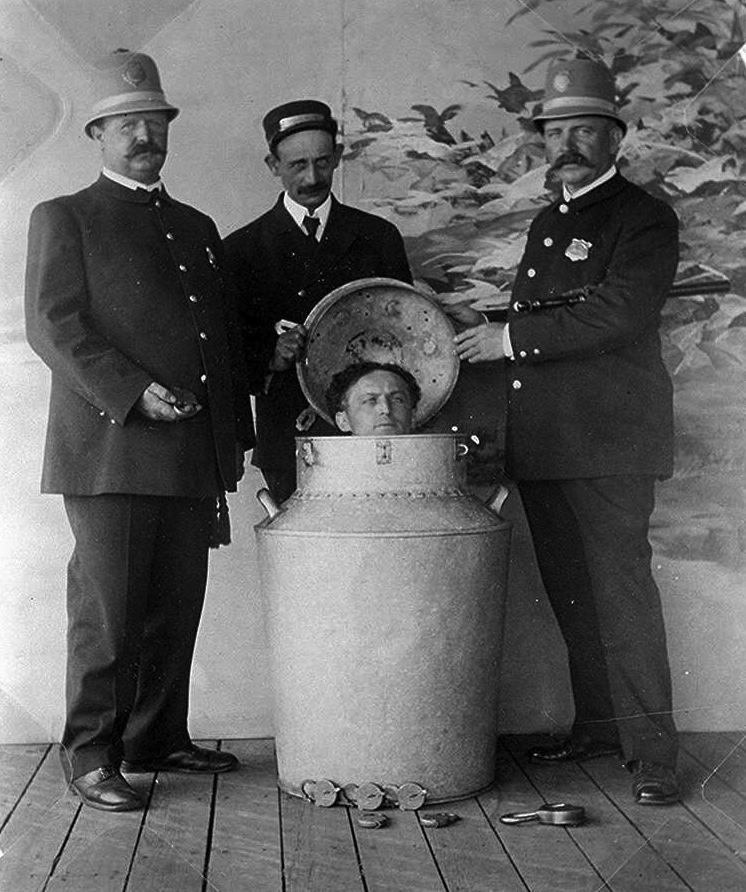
[617, 135]
[338, 150]
[343, 422]
[272, 163]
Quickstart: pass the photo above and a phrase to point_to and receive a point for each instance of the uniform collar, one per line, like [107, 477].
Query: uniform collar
[129, 183]
[604, 178]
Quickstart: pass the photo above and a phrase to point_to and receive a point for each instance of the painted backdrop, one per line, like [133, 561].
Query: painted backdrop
[434, 97]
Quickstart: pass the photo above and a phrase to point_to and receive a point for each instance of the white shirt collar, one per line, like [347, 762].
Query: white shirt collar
[130, 183]
[568, 196]
[299, 213]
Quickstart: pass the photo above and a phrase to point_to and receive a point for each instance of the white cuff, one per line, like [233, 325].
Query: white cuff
[507, 346]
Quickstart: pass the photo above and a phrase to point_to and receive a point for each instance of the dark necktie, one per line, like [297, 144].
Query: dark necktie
[311, 224]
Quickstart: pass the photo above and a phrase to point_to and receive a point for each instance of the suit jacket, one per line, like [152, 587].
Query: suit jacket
[124, 288]
[588, 392]
[279, 273]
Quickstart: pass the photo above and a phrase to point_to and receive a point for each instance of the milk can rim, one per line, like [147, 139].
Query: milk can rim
[435, 396]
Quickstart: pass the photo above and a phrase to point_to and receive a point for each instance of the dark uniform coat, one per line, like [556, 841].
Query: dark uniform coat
[589, 428]
[125, 288]
[589, 395]
[281, 274]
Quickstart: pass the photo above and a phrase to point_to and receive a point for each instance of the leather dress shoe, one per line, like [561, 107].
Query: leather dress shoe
[193, 760]
[653, 784]
[105, 788]
[572, 749]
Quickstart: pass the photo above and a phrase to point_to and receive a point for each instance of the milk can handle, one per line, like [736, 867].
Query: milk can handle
[496, 499]
[306, 453]
[268, 503]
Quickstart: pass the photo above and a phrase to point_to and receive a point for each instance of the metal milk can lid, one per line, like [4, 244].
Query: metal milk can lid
[380, 320]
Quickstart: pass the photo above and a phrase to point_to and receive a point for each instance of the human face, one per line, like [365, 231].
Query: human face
[134, 145]
[580, 149]
[305, 162]
[379, 403]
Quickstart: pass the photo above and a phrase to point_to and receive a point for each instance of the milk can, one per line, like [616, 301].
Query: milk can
[384, 588]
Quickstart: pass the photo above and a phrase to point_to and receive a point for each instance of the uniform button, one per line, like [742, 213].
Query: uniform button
[203, 378]
[523, 354]
[531, 273]
[112, 421]
[517, 385]
[302, 292]
[548, 242]
[170, 236]
[182, 267]
[536, 351]
[563, 209]
[203, 335]
[102, 414]
[157, 202]
[193, 298]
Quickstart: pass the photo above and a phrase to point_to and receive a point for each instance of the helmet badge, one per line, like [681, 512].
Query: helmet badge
[134, 74]
[561, 81]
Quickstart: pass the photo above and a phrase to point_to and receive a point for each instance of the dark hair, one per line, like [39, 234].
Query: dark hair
[342, 381]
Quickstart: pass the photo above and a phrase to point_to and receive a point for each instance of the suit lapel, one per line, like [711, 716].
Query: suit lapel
[340, 231]
[280, 224]
[289, 245]
[339, 235]
[304, 267]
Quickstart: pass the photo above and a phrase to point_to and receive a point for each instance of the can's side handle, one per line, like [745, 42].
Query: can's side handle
[496, 500]
[268, 503]
[498, 494]
[307, 453]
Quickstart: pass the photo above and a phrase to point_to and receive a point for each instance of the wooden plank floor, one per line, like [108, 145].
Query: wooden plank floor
[237, 833]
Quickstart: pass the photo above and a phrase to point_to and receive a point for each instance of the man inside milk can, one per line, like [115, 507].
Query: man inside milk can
[373, 399]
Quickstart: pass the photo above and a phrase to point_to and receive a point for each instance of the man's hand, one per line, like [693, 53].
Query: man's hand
[158, 403]
[462, 315]
[481, 344]
[288, 349]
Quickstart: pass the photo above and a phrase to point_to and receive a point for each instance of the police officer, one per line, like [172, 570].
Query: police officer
[125, 303]
[291, 257]
[589, 425]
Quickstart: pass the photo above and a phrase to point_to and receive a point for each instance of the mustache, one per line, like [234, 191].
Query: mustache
[571, 158]
[145, 148]
[311, 190]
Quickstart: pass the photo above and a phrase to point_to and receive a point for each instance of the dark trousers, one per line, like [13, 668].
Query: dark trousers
[593, 553]
[135, 589]
[281, 482]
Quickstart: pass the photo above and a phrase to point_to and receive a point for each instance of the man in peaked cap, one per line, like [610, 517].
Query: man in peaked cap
[125, 302]
[291, 257]
[589, 426]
